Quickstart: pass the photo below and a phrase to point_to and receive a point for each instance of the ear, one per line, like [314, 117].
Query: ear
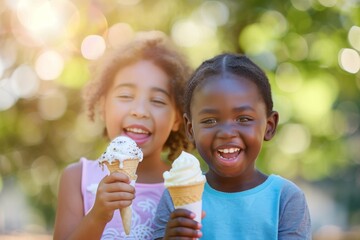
[177, 122]
[271, 125]
[188, 128]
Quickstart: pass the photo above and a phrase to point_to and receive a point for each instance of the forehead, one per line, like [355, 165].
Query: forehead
[226, 90]
[226, 84]
[143, 73]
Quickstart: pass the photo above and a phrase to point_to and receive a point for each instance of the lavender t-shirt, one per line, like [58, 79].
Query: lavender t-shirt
[144, 205]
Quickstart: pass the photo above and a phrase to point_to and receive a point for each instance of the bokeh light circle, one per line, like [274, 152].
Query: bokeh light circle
[93, 47]
[349, 60]
[24, 82]
[186, 33]
[7, 99]
[49, 65]
[52, 106]
[214, 13]
[293, 138]
[119, 34]
[354, 37]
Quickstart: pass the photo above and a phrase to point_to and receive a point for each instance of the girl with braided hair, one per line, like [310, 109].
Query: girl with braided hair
[228, 116]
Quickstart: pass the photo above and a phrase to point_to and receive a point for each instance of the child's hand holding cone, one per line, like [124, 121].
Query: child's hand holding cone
[123, 155]
[185, 183]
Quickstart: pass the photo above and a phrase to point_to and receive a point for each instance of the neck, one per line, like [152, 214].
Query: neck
[237, 183]
[151, 170]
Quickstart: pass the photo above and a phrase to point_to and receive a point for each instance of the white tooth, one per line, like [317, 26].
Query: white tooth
[229, 150]
[136, 130]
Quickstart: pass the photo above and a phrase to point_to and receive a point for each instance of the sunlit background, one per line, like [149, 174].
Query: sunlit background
[310, 50]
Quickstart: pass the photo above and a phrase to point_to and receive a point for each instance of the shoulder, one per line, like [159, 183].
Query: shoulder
[291, 195]
[286, 186]
[71, 177]
[76, 169]
[292, 198]
[72, 170]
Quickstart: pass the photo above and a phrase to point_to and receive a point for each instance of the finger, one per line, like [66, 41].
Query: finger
[183, 218]
[119, 204]
[183, 233]
[120, 196]
[118, 187]
[203, 214]
[111, 206]
[181, 212]
[117, 177]
[112, 201]
[105, 197]
[184, 222]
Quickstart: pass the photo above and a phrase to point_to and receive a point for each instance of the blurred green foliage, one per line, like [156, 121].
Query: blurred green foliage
[298, 43]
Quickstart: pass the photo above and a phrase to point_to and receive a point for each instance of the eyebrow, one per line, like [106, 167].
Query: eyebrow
[208, 111]
[237, 109]
[155, 89]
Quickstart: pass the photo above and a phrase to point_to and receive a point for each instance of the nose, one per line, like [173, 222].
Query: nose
[140, 109]
[227, 130]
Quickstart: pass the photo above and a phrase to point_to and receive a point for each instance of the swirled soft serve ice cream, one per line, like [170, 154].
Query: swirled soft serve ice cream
[123, 155]
[185, 183]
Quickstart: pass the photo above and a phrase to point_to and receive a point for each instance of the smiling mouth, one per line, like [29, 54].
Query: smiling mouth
[228, 153]
[137, 131]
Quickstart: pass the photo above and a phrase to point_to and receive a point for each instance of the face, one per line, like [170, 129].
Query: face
[229, 124]
[139, 105]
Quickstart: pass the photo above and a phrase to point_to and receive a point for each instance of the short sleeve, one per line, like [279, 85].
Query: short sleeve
[164, 209]
[294, 216]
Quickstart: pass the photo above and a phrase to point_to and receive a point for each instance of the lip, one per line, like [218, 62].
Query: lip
[228, 154]
[139, 133]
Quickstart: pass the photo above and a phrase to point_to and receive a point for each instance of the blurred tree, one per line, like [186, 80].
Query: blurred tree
[309, 49]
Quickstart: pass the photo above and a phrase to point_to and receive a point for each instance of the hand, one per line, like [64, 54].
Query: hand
[182, 225]
[114, 192]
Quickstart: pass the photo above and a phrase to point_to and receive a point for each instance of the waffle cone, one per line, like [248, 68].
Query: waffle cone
[126, 214]
[186, 194]
[129, 169]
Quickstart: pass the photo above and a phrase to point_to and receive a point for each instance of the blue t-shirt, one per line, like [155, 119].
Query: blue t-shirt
[276, 209]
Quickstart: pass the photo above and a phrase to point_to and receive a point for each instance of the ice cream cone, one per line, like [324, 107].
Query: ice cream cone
[188, 197]
[127, 167]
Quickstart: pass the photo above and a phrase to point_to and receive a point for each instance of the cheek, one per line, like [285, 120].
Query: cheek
[165, 117]
[203, 138]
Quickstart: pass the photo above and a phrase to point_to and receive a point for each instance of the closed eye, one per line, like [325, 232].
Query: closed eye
[159, 101]
[125, 96]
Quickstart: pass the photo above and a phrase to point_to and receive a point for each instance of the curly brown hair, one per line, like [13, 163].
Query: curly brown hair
[153, 46]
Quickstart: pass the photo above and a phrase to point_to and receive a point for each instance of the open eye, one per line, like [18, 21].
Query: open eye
[243, 119]
[209, 121]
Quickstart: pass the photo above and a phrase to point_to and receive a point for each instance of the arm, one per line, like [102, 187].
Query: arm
[294, 223]
[171, 224]
[113, 192]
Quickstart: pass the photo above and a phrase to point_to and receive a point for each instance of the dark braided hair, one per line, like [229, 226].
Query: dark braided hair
[153, 46]
[236, 64]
